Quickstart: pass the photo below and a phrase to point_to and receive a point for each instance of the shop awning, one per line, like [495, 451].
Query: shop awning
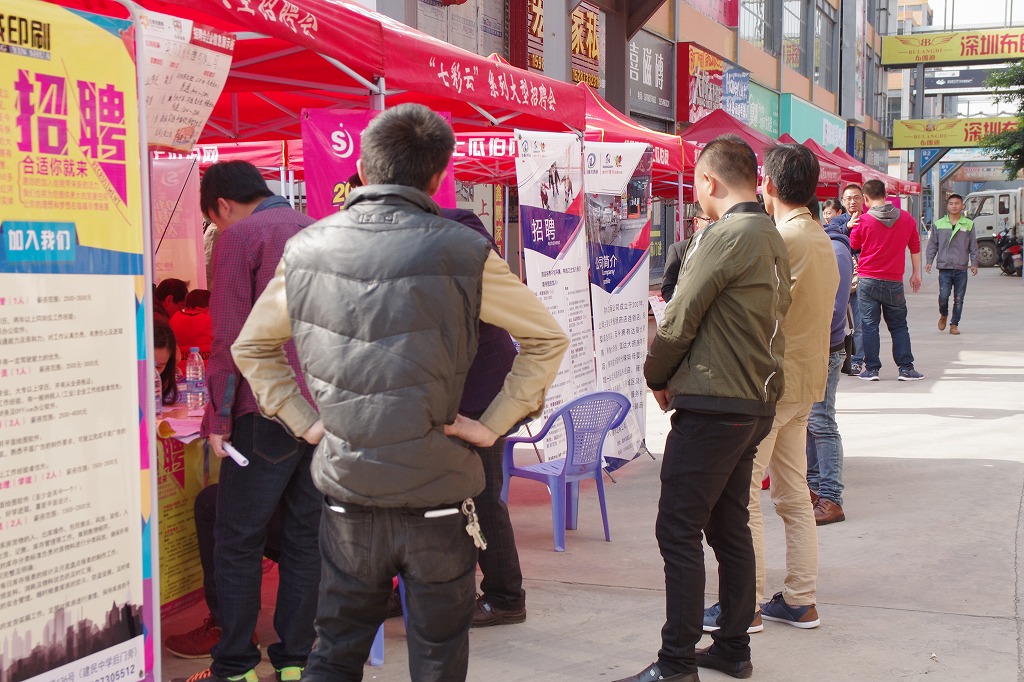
[847, 175]
[719, 122]
[270, 156]
[893, 185]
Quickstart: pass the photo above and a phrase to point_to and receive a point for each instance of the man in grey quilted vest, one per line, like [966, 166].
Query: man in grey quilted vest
[384, 300]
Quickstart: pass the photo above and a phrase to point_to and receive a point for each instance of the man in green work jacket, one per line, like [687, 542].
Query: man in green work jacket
[953, 244]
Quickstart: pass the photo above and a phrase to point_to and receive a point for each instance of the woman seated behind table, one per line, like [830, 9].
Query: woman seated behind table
[165, 353]
[192, 324]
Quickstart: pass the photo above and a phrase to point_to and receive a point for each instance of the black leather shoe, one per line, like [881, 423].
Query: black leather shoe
[653, 672]
[486, 614]
[738, 669]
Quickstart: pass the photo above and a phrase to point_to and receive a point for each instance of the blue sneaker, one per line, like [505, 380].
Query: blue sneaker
[868, 375]
[712, 613]
[910, 374]
[804, 617]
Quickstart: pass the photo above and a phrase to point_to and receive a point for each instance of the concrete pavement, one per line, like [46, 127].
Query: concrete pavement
[923, 581]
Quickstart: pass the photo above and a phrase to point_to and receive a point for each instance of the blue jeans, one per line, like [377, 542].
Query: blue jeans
[824, 444]
[955, 280]
[247, 497]
[362, 549]
[858, 341]
[882, 299]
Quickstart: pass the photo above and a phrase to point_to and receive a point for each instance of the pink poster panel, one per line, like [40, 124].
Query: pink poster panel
[330, 147]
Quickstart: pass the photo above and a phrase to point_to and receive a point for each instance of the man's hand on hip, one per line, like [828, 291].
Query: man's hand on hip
[315, 433]
[471, 431]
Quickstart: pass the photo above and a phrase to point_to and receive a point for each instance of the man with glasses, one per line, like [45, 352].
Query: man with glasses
[674, 259]
[853, 200]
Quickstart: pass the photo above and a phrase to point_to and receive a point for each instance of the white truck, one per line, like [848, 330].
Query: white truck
[992, 210]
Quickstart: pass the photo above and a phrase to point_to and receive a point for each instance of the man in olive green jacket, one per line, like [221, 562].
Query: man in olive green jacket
[790, 178]
[716, 361]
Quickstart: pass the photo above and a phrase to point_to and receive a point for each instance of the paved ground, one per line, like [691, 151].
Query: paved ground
[921, 582]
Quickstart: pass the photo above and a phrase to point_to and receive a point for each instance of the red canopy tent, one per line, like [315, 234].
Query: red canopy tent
[847, 175]
[719, 122]
[269, 157]
[334, 53]
[893, 185]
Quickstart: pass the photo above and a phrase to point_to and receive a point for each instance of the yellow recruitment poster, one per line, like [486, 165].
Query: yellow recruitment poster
[948, 132]
[75, 568]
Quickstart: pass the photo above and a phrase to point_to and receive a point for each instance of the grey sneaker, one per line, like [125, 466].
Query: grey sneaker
[856, 368]
[712, 613]
[910, 375]
[871, 375]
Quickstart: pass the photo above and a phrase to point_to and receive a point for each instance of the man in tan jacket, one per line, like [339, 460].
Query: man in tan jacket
[790, 179]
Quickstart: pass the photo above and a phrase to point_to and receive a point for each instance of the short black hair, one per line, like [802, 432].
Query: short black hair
[794, 171]
[198, 298]
[834, 204]
[175, 288]
[407, 145]
[874, 189]
[954, 196]
[732, 160]
[853, 185]
[238, 181]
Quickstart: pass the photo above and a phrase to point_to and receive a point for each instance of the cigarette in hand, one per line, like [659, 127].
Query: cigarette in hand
[234, 454]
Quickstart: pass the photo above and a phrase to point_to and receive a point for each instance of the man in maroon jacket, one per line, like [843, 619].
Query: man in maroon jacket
[882, 235]
[254, 226]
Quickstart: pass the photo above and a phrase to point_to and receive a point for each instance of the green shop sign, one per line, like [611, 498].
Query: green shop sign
[763, 110]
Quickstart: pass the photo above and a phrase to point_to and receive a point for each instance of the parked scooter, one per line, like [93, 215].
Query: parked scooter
[1009, 252]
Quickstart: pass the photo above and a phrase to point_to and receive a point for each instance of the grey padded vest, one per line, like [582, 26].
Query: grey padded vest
[384, 298]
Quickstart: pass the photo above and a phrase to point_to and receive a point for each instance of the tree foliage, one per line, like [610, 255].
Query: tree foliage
[1008, 86]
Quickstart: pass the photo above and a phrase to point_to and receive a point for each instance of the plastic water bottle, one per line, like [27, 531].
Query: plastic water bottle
[158, 386]
[195, 378]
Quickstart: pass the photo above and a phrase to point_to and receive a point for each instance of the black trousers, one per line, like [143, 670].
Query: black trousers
[362, 549]
[705, 487]
[502, 582]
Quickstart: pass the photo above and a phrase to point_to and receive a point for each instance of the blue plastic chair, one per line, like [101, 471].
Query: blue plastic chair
[587, 421]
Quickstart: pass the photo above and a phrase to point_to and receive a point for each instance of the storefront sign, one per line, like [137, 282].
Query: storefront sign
[725, 12]
[980, 173]
[803, 120]
[75, 452]
[956, 80]
[735, 90]
[586, 39]
[957, 47]
[650, 74]
[763, 110]
[707, 82]
[700, 82]
[876, 151]
[953, 132]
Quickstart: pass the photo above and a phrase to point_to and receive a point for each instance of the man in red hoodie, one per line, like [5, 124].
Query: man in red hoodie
[881, 236]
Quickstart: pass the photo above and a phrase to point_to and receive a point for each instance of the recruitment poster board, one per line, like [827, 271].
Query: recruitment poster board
[177, 222]
[331, 147]
[617, 177]
[75, 568]
[555, 248]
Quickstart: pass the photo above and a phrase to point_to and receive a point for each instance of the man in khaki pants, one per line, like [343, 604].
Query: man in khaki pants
[790, 179]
